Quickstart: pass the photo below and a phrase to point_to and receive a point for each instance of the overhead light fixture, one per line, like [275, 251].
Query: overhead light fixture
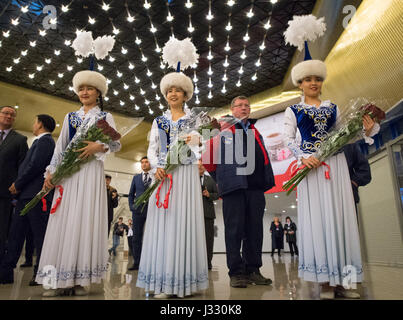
[228, 27]
[230, 3]
[91, 20]
[48, 60]
[197, 100]
[65, 8]
[67, 43]
[79, 60]
[196, 90]
[9, 69]
[238, 84]
[258, 63]
[32, 44]
[136, 107]
[188, 4]
[105, 6]
[240, 71]
[115, 31]
[246, 37]
[16, 60]
[190, 28]
[52, 83]
[24, 9]
[131, 66]
[254, 77]
[157, 48]
[24, 52]
[119, 74]
[6, 34]
[137, 41]
[146, 5]
[223, 90]
[226, 64]
[32, 75]
[146, 102]
[130, 18]
[210, 84]
[142, 92]
[157, 97]
[60, 75]
[115, 92]
[149, 73]
[169, 17]
[42, 33]
[210, 72]
[210, 96]
[243, 55]
[227, 47]
[143, 58]
[39, 68]
[136, 80]
[154, 86]
[57, 52]
[267, 25]
[210, 38]
[111, 59]
[100, 68]
[131, 97]
[250, 13]
[15, 22]
[124, 50]
[153, 29]
[106, 98]
[125, 86]
[69, 68]
[108, 81]
[225, 78]
[122, 103]
[210, 56]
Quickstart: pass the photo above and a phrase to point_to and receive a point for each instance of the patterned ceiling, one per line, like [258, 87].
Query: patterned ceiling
[237, 42]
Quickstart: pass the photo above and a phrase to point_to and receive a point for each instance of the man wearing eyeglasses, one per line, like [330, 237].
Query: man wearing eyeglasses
[13, 147]
[243, 173]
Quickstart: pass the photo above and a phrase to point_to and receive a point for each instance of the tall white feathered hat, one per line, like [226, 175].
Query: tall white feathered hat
[301, 30]
[178, 54]
[85, 46]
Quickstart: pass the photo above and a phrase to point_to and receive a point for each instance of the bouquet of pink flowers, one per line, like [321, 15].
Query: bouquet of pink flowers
[349, 128]
[101, 131]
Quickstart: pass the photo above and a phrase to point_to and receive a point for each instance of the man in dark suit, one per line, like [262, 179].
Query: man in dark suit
[358, 166]
[113, 199]
[13, 147]
[28, 183]
[139, 184]
[210, 194]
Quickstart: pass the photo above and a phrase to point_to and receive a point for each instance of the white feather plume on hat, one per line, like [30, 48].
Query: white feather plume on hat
[305, 28]
[90, 78]
[178, 51]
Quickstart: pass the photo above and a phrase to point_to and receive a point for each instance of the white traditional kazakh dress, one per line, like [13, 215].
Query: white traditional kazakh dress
[174, 257]
[75, 248]
[328, 238]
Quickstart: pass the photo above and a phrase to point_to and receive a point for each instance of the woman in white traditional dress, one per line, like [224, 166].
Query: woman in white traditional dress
[329, 244]
[75, 248]
[174, 257]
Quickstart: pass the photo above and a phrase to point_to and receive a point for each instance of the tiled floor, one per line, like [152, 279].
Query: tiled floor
[380, 283]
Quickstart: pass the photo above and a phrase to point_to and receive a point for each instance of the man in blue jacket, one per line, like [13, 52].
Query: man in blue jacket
[140, 183]
[28, 183]
[243, 174]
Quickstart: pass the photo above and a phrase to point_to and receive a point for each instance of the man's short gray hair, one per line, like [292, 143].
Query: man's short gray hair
[238, 98]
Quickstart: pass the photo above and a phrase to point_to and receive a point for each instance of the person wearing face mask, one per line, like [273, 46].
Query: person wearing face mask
[75, 249]
[173, 258]
[328, 235]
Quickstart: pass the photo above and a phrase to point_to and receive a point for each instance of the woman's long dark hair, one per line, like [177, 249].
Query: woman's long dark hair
[101, 102]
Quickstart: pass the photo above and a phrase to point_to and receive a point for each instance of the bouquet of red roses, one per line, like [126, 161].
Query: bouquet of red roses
[349, 128]
[101, 131]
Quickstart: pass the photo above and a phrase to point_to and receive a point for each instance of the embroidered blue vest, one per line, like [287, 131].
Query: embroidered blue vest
[165, 133]
[75, 122]
[314, 124]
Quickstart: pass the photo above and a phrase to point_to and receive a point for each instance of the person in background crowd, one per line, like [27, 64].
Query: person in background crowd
[358, 167]
[113, 199]
[29, 249]
[277, 236]
[13, 147]
[139, 215]
[290, 229]
[118, 231]
[28, 183]
[130, 236]
[210, 194]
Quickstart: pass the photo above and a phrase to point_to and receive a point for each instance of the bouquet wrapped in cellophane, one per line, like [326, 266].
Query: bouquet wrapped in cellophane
[94, 129]
[349, 128]
[197, 122]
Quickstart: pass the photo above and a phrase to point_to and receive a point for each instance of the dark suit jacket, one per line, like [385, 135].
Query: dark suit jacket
[12, 153]
[208, 203]
[30, 174]
[137, 188]
[358, 167]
